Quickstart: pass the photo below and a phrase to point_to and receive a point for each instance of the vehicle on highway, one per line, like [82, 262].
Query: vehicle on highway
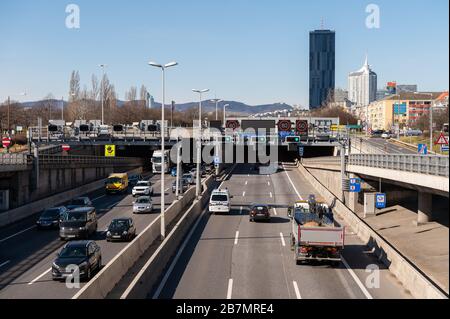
[189, 178]
[103, 131]
[79, 202]
[133, 179]
[184, 185]
[157, 159]
[117, 183]
[314, 235]
[121, 229]
[85, 254]
[376, 133]
[413, 133]
[79, 222]
[143, 204]
[50, 218]
[142, 188]
[386, 135]
[173, 172]
[259, 212]
[219, 201]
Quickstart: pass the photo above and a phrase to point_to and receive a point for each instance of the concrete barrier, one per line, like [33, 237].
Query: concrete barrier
[17, 214]
[154, 268]
[105, 280]
[411, 278]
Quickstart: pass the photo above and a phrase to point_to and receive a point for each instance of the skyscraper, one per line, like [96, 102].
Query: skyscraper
[321, 66]
[362, 85]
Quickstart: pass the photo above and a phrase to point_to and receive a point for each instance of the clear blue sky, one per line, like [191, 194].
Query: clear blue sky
[254, 51]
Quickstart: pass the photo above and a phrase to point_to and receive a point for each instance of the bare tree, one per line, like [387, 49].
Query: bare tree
[74, 90]
[143, 95]
[95, 87]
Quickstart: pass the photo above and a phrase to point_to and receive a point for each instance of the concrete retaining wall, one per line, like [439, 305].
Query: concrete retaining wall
[14, 215]
[103, 283]
[419, 286]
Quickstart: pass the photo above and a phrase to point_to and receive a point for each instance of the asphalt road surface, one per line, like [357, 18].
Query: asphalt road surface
[229, 257]
[26, 254]
[388, 146]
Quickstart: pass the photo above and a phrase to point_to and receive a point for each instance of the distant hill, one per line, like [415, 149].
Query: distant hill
[208, 106]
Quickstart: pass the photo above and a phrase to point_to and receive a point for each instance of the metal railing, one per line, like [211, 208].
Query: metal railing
[90, 160]
[16, 159]
[429, 165]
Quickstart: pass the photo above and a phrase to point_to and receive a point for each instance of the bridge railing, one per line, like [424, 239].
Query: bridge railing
[92, 160]
[15, 159]
[429, 165]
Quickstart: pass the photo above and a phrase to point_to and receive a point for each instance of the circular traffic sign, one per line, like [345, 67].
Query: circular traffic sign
[232, 124]
[284, 125]
[66, 148]
[6, 142]
[302, 126]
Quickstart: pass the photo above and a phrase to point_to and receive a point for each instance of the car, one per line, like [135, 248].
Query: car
[86, 255]
[219, 201]
[189, 178]
[259, 212]
[143, 188]
[79, 202]
[133, 179]
[50, 218]
[173, 172]
[79, 222]
[143, 204]
[184, 185]
[121, 229]
[386, 135]
[376, 133]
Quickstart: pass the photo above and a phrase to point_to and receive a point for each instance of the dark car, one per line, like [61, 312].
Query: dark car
[78, 223]
[121, 229]
[189, 178]
[79, 202]
[50, 218]
[184, 185]
[85, 254]
[259, 212]
[133, 179]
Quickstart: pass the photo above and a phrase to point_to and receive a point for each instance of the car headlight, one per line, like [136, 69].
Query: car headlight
[148, 207]
[125, 233]
[108, 234]
[83, 265]
[55, 266]
[82, 228]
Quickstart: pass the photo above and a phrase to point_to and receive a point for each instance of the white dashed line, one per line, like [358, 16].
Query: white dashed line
[356, 279]
[230, 288]
[297, 292]
[16, 234]
[243, 194]
[40, 276]
[236, 238]
[282, 240]
[5, 263]
[271, 195]
[241, 210]
[246, 182]
[97, 198]
[268, 183]
[275, 211]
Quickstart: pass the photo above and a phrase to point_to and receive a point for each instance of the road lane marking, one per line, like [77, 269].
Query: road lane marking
[282, 240]
[97, 198]
[297, 292]
[166, 189]
[246, 182]
[17, 234]
[5, 263]
[356, 279]
[236, 238]
[268, 183]
[40, 276]
[270, 194]
[275, 211]
[230, 288]
[241, 210]
[243, 194]
[290, 180]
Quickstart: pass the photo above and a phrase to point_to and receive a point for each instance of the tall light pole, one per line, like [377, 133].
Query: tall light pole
[9, 112]
[103, 66]
[199, 140]
[163, 133]
[431, 121]
[224, 115]
[217, 101]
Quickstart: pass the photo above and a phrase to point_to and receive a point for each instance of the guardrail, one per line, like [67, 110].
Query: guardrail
[429, 165]
[16, 159]
[94, 160]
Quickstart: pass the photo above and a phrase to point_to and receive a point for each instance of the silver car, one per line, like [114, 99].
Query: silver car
[143, 204]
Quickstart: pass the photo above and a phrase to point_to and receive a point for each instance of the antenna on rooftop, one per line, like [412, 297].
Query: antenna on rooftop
[322, 24]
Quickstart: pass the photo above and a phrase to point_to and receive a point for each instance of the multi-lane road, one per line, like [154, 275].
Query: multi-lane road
[26, 254]
[386, 146]
[226, 256]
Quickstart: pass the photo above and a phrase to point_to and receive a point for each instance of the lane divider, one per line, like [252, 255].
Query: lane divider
[236, 238]
[282, 240]
[17, 234]
[40, 276]
[5, 263]
[297, 292]
[230, 288]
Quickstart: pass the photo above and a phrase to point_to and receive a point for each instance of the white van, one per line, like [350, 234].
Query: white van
[219, 201]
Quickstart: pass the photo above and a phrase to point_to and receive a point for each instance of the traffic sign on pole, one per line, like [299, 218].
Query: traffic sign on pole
[380, 200]
[65, 147]
[422, 149]
[6, 142]
[301, 151]
[110, 150]
[355, 188]
[444, 148]
[442, 140]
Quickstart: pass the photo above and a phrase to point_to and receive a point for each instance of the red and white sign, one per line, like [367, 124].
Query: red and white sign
[442, 140]
[232, 124]
[284, 125]
[65, 147]
[302, 127]
[6, 142]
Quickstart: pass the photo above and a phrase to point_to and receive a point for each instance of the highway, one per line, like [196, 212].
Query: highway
[387, 146]
[226, 256]
[27, 254]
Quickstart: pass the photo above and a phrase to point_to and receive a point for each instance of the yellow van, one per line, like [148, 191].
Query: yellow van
[117, 183]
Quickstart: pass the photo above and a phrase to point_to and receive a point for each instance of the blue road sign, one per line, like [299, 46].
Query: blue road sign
[355, 188]
[380, 200]
[216, 160]
[301, 151]
[355, 181]
[422, 149]
[444, 148]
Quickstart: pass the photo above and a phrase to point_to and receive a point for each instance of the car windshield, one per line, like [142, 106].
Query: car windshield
[73, 252]
[259, 207]
[52, 213]
[186, 176]
[118, 223]
[143, 184]
[74, 217]
[219, 198]
[114, 180]
[143, 200]
[77, 201]
[156, 160]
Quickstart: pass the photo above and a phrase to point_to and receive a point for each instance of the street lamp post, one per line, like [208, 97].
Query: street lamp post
[9, 112]
[224, 115]
[431, 122]
[199, 140]
[163, 166]
[103, 66]
[217, 101]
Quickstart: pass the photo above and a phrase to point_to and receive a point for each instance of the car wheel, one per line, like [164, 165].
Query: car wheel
[99, 263]
[89, 274]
